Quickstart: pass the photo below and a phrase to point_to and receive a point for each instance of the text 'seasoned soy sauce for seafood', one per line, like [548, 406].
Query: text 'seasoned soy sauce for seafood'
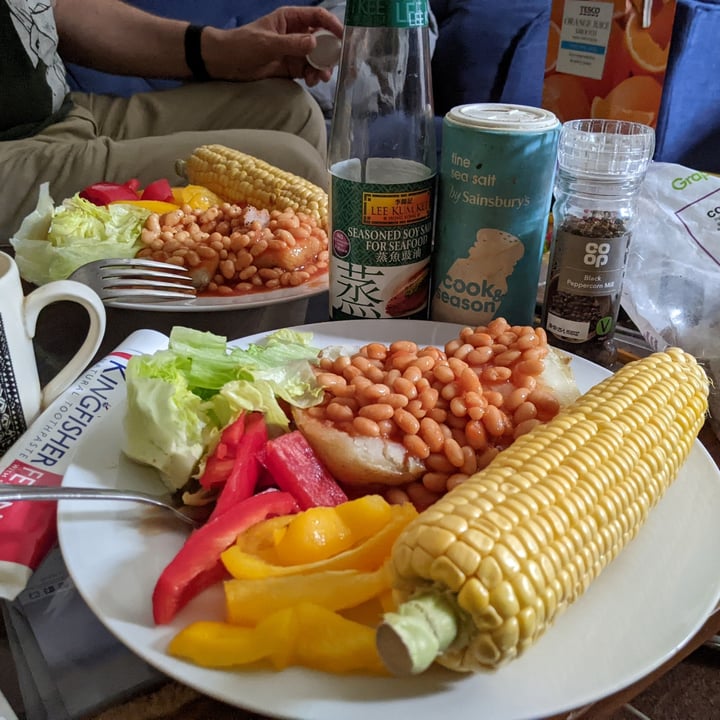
[382, 161]
[494, 193]
[601, 166]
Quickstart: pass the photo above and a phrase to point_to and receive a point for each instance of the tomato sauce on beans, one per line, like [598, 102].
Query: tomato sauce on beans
[234, 250]
[454, 408]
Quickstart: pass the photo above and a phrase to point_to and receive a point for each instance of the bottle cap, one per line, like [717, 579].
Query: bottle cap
[503, 117]
[326, 52]
[605, 148]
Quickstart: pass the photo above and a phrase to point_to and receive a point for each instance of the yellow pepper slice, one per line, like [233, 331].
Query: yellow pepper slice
[329, 642]
[365, 515]
[154, 206]
[261, 539]
[316, 533]
[196, 196]
[218, 644]
[248, 601]
[305, 634]
[367, 556]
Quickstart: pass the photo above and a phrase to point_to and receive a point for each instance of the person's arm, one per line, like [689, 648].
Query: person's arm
[112, 36]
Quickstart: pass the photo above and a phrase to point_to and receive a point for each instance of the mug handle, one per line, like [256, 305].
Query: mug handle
[83, 295]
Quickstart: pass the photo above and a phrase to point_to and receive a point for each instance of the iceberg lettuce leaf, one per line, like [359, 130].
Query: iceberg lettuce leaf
[165, 424]
[52, 242]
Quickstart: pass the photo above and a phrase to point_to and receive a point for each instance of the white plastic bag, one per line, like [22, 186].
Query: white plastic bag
[672, 285]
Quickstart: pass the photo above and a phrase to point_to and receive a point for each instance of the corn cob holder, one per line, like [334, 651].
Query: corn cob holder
[482, 573]
[244, 179]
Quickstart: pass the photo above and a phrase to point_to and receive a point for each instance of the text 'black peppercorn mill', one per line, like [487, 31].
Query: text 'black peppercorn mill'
[601, 166]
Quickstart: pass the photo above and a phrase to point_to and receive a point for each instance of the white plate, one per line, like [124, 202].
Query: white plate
[314, 286]
[644, 606]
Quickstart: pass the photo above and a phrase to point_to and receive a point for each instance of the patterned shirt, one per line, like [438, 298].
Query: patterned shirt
[35, 91]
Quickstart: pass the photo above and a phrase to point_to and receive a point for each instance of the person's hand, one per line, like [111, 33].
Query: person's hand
[274, 45]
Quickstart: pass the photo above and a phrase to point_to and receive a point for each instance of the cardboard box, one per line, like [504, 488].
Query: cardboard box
[608, 59]
[659, 66]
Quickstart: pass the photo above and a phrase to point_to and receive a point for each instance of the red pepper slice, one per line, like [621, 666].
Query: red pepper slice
[243, 477]
[297, 470]
[232, 434]
[220, 463]
[197, 564]
[158, 190]
[133, 184]
[104, 193]
[216, 471]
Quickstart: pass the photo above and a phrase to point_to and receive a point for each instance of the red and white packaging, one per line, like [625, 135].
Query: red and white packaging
[44, 452]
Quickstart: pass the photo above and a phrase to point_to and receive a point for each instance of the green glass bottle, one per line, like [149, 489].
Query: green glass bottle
[383, 163]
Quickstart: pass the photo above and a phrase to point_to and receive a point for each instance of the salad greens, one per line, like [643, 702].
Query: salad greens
[52, 241]
[180, 399]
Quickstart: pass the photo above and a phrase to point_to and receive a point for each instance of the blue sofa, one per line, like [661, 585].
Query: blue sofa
[495, 52]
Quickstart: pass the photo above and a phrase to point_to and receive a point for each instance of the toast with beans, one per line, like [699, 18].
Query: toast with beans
[424, 419]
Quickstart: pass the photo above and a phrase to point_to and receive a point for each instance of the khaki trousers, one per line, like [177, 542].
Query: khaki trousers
[114, 139]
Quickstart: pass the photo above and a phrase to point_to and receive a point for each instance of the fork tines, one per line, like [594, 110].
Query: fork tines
[139, 279]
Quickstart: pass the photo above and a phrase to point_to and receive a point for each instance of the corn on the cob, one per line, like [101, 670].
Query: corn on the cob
[486, 569]
[240, 178]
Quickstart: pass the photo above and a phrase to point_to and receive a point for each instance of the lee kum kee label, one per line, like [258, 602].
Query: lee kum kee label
[495, 188]
[393, 208]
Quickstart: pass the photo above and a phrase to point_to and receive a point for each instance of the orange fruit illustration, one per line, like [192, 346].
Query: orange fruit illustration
[553, 46]
[565, 96]
[636, 99]
[649, 47]
[621, 7]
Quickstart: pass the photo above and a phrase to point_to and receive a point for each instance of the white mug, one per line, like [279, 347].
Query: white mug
[21, 395]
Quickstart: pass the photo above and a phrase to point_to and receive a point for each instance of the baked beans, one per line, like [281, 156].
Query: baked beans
[234, 250]
[453, 408]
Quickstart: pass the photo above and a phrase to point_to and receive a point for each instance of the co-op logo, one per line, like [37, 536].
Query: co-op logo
[596, 254]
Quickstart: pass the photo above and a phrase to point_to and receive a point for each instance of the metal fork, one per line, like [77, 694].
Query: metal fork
[14, 493]
[136, 279]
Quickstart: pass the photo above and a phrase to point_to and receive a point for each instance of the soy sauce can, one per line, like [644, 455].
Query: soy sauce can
[494, 194]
